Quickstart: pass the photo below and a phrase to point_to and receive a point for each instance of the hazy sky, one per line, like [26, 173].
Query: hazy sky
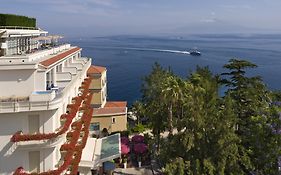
[163, 17]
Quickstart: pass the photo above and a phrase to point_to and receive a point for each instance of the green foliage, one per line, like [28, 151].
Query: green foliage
[155, 109]
[255, 118]
[139, 128]
[138, 110]
[16, 20]
[233, 134]
[178, 166]
[276, 95]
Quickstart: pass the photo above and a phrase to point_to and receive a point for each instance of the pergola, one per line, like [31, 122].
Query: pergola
[98, 151]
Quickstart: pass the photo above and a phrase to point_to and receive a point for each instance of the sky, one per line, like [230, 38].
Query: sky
[149, 17]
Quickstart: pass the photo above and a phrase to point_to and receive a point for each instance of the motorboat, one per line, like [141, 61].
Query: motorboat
[195, 52]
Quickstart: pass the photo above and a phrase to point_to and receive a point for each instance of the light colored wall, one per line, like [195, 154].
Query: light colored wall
[19, 83]
[96, 98]
[106, 122]
[40, 81]
[120, 123]
[104, 95]
[96, 82]
[11, 156]
[48, 159]
[103, 78]
[99, 96]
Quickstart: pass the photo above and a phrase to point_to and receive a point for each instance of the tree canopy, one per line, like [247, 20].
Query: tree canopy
[234, 133]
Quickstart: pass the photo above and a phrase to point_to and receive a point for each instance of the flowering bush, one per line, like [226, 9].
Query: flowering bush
[125, 140]
[124, 149]
[140, 148]
[138, 139]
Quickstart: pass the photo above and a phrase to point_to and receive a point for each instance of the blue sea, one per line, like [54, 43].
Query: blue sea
[129, 58]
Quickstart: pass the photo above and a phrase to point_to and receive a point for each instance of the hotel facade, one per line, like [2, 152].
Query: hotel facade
[51, 101]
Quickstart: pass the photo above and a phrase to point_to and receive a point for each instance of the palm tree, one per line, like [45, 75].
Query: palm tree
[171, 94]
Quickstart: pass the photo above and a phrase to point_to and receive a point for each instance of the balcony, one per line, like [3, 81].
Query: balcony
[29, 105]
[72, 70]
[63, 78]
[79, 66]
[34, 54]
[39, 96]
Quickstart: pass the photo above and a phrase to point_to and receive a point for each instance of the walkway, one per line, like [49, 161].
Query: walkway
[133, 171]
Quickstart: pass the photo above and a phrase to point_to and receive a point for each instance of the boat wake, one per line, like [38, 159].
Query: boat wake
[158, 50]
[147, 49]
[174, 51]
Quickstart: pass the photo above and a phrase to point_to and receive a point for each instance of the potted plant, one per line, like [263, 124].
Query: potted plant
[125, 162]
[139, 160]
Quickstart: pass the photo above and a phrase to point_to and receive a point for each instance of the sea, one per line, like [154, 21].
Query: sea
[129, 59]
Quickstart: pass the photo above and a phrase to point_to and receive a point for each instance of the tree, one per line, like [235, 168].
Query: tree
[206, 140]
[238, 133]
[171, 94]
[152, 100]
[138, 110]
[255, 118]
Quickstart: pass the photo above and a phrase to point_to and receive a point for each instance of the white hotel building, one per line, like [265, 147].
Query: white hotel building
[36, 85]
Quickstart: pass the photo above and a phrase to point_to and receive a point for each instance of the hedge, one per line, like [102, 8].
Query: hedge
[16, 20]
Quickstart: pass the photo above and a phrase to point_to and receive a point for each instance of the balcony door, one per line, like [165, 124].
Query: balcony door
[34, 161]
[33, 124]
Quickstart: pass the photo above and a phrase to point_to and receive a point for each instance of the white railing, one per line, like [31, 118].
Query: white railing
[18, 27]
[72, 70]
[50, 51]
[15, 106]
[64, 76]
[79, 66]
[34, 56]
[39, 96]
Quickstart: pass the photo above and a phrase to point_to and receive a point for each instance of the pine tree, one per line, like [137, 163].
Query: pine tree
[255, 118]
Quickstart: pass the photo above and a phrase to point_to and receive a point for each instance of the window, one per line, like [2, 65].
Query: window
[113, 120]
[94, 126]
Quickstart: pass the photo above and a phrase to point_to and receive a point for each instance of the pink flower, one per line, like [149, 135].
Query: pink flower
[124, 149]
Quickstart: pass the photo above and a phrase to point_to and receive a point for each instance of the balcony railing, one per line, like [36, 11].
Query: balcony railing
[36, 54]
[18, 27]
[38, 96]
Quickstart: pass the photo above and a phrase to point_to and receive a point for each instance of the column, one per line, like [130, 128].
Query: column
[54, 76]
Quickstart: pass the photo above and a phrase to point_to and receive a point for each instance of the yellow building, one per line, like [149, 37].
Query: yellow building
[111, 115]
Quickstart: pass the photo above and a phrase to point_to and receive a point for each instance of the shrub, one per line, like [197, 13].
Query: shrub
[16, 20]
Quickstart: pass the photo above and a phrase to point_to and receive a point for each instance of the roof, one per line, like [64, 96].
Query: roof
[96, 70]
[58, 57]
[88, 153]
[112, 108]
[116, 104]
[109, 111]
